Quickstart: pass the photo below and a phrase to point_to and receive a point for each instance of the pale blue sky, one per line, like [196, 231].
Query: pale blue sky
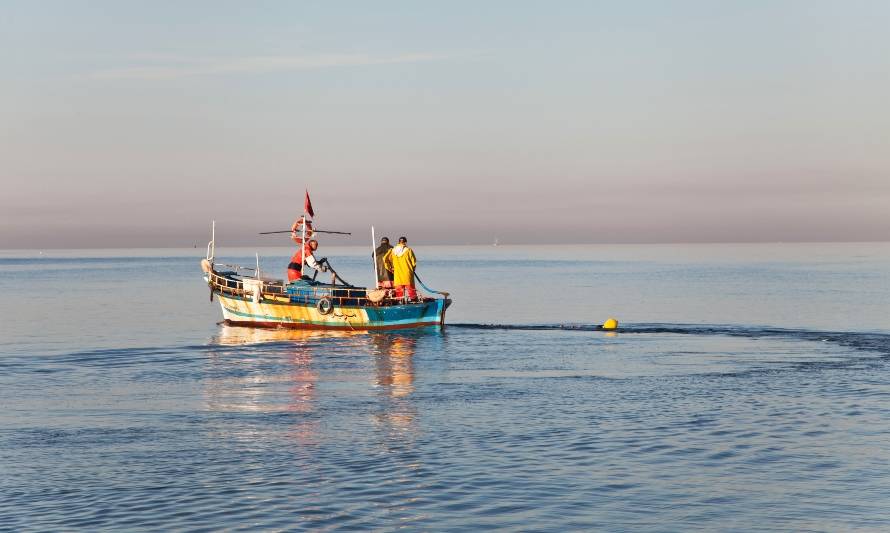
[135, 123]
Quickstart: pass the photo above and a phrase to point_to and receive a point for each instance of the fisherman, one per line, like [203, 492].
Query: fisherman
[302, 257]
[384, 276]
[402, 262]
[305, 254]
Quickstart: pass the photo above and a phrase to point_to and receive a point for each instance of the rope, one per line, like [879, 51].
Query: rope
[334, 272]
[427, 289]
[324, 261]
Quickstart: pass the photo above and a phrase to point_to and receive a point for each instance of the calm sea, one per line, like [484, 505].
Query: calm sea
[748, 389]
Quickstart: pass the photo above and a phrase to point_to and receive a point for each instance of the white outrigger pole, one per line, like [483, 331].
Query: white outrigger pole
[374, 253]
[207, 262]
[211, 246]
[303, 243]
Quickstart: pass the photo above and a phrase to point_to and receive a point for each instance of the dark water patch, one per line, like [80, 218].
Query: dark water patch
[117, 356]
[81, 437]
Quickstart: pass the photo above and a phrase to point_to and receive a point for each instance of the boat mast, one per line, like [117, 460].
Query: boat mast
[303, 243]
[211, 246]
[374, 252]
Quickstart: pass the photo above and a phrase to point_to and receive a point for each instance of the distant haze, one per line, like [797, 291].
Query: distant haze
[136, 124]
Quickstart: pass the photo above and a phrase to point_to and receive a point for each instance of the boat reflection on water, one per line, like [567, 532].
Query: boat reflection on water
[235, 335]
[394, 358]
[394, 362]
[257, 370]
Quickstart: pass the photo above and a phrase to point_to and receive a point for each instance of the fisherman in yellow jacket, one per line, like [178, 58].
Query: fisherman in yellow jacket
[402, 262]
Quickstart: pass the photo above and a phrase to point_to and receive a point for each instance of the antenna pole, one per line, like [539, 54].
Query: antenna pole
[374, 252]
[211, 246]
[303, 244]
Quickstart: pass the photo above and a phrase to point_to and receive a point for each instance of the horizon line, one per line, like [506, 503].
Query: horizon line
[481, 245]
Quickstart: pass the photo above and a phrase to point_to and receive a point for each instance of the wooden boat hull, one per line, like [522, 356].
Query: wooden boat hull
[242, 311]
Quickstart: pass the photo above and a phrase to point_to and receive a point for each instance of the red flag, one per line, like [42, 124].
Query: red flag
[307, 205]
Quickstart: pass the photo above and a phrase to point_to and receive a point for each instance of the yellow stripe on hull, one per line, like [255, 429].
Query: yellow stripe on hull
[238, 310]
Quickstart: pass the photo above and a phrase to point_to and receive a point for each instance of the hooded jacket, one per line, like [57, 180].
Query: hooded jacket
[401, 262]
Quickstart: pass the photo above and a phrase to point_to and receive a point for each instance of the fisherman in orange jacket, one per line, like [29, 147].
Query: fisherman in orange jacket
[305, 255]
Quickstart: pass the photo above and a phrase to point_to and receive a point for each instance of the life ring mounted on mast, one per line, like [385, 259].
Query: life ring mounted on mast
[297, 227]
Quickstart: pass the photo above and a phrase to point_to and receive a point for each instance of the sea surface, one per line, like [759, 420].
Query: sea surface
[748, 389]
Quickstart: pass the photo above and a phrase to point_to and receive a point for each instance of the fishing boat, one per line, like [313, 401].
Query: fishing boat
[249, 298]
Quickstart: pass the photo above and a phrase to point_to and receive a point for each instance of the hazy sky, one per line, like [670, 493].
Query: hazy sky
[136, 123]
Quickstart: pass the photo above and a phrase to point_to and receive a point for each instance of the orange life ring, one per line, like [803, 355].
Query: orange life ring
[298, 227]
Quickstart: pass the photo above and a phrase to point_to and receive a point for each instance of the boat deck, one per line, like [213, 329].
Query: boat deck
[230, 283]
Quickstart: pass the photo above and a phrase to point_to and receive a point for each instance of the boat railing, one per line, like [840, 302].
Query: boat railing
[278, 290]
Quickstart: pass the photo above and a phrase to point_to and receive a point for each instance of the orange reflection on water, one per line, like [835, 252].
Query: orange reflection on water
[300, 348]
[394, 362]
[394, 359]
[250, 377]
[234, 335]
[247, 385]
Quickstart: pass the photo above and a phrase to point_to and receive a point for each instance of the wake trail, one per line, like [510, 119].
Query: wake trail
[865, 341]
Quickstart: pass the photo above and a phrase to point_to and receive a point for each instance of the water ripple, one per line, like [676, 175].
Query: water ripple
[705, 427]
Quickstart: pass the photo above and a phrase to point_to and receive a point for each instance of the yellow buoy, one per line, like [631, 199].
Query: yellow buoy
[610, 324]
